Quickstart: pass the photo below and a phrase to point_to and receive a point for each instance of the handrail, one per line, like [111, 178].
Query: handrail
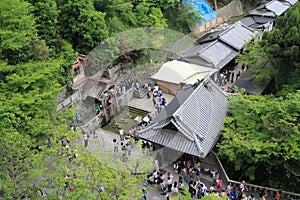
[251, 185]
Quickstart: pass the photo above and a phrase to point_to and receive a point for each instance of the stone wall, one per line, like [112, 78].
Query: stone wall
[233, 9]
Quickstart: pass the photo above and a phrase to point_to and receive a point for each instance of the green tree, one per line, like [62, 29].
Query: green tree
[119, 14]
[28, 117]
[46, 14]
[182, 17]
[92, 175]
[281, 47]
[260, 134]
[19, 161]
[28, 96]
[17, 27]
[81, 24]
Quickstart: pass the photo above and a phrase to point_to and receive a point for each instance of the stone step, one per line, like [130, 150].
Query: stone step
[137, 112]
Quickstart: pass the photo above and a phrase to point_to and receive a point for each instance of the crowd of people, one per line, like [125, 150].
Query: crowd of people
[188, 180]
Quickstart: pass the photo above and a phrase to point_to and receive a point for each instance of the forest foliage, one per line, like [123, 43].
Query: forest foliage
[260, 140]
[38, 41]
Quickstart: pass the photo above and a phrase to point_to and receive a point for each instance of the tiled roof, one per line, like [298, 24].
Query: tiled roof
[292, 2]
[237, 35]
[171, 139]
[215, 55]
[272, 9]
[277, 7]
[218, 48]
[182, 95]
[198, 121]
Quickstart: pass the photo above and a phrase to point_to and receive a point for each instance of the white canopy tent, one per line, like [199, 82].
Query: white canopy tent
[173, 73]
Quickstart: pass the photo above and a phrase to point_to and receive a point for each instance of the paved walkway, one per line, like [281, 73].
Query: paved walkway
[104, 142]
[147, 104]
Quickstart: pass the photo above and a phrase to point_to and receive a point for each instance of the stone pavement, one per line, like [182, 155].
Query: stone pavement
[147, 104]
[104, 142]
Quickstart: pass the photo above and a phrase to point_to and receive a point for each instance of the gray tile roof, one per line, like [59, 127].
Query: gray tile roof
[273, 8]
[292, 2]
[198, 121]
[215, 55]
[177, 101]
[237, 35]
[218, 48]
[277, 7]
[171, 139]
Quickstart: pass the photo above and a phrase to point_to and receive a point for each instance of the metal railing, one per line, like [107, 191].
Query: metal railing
[251, 187]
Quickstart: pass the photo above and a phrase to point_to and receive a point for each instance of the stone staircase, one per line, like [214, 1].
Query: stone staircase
[137, 112]
[141, 93]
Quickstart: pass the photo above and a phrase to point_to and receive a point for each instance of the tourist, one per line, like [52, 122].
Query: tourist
[78, 118]
[121, 132]
[263, 193]
[156, 165]
[192, 188]
[123, 147]
[145, 193]
[278, 195]
[185, 174]
[232, 195]
[229, 187]
[98, 109]
[232, 76]
[169, 183]
[137, 85]
[160, 99]
[198, 171]
[85, 139]
[238, 75]
[219, 184]
[164, 101]
[148, 146]
[175, 189]
[229, 90]
[154, 100]
[243, 187]
[116, 145]
[128, 148]
[201, 190]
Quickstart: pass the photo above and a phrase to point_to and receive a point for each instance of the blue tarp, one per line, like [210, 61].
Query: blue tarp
[202, 7]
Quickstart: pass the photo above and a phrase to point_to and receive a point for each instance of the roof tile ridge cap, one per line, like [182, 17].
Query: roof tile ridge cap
[270, 2]
[147, 128]
[249, 28]
[182, 129]
[185, 128]
[217, 87]
[231, 26]
[161, 126]
[175, 114]
[204, 49]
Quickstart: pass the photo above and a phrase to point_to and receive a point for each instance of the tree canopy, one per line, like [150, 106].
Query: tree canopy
[281, 47]
[38, 40]
[260, 140]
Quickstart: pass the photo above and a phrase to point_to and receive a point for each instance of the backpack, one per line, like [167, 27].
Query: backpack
[198, 171]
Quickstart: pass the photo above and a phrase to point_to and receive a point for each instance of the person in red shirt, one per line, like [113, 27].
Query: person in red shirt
[219, 184]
